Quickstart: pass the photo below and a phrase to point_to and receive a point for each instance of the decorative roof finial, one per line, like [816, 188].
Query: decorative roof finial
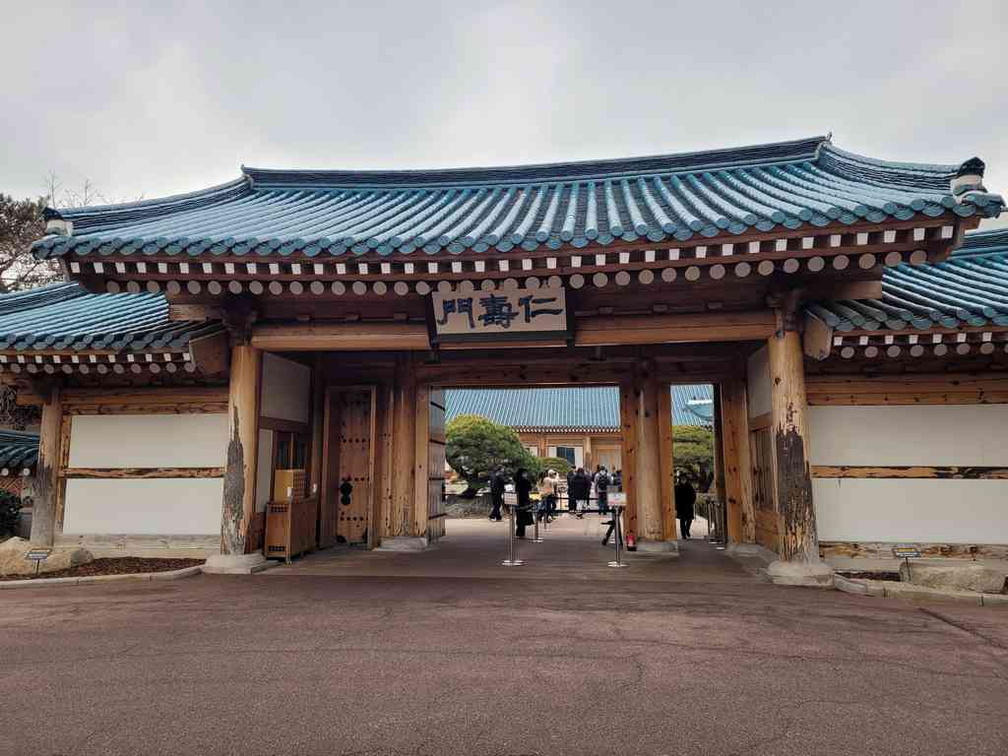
[969, 178]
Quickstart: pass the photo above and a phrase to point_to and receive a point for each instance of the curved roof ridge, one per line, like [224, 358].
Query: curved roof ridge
[148, 208]
[579, 170]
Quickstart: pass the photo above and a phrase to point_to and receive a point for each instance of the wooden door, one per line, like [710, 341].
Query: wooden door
[436, 466]
[348, 453]
[764, 498]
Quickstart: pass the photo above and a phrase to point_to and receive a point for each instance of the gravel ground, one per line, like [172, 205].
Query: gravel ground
[446, 652]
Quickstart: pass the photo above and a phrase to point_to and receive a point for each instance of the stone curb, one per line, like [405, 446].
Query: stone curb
[889, 589]
[137, 577]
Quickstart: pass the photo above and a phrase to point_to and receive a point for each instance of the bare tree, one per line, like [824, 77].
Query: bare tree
[22, 222]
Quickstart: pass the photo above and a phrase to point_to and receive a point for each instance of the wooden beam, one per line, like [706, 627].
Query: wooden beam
[910, 471]
[817, 339]
[798, 539]
[122, 400]
[659, 329]
[837, 290]
[340, 336]
[242, 451]
[47, 482]
[210, 353]
[908, 389]
[144, 472]
[737, 461]
[195, 312]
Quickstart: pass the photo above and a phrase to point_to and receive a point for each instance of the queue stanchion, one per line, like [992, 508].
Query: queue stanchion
[535, 526]
[512, 552]
[617, 512]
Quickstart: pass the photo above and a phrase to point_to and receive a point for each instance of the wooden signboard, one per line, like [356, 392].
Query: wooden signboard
[505, 314]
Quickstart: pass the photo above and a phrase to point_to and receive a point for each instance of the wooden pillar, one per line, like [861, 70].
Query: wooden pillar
[718, 451]
[317, 427]
[628, 455]
[421, 457]
[798, 539]
[47, 470]
[666, 451]
[642, 466]
[586, 454]
[242, 451]
[403, 449]
[734, 444]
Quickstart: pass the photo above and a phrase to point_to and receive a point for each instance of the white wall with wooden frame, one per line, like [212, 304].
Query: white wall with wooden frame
[924, 472]
[141, 470]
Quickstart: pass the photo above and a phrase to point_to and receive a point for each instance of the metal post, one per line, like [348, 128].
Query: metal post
[618, 532]
[535, 531]
[512, 556]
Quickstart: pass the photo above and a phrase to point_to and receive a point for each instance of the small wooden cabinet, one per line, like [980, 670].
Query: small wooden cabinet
[290, 516]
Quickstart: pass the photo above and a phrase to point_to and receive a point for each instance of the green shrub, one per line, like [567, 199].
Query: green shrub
[10, 513]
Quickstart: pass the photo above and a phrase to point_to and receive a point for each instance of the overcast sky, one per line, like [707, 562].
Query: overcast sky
[156, 98]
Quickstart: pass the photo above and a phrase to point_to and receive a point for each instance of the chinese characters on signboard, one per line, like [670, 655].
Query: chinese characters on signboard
[493, 313]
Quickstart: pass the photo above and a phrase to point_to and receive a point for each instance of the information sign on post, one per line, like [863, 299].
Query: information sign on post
[38, 556]
[504, 314]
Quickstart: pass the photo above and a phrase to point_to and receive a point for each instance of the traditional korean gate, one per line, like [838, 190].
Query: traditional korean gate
[348, 454]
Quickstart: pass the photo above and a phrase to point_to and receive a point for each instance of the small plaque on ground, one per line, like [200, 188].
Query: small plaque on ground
[906, 552]
[37, 555]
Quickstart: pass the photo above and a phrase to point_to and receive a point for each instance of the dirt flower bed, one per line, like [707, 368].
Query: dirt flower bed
[114, 566]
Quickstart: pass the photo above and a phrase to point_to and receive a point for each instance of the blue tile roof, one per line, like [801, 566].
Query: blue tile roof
[653, 199]
[570, 409]
[18, 451]
[64, 317]
[970, 288]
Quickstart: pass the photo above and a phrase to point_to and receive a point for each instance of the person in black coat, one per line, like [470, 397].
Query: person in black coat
[523, 489]
[580, 492]
[497, 484]
[685, 500]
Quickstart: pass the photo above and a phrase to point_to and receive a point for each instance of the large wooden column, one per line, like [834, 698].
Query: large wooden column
[43, 526]
[642, 465]
[421, 460]
[243, 441]
[666, 458]
[734, 440]
[798, 542]
[403, 462]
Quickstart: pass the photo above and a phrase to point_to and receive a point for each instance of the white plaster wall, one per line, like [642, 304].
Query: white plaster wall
[933, 435]
[286, 389]
[264, 470]
[140, 506]
[195, 440]
[758, 383]
[915, 510]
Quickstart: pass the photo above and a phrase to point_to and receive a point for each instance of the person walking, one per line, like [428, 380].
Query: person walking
[685, 503]
[602, 482]
[579, 492]
[547, 495]
[523, 490]
[571, 501]
[497, 486]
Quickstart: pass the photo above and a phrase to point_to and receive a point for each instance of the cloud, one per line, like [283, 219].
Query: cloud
[152, 98]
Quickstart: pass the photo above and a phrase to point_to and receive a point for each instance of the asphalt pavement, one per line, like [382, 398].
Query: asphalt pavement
[447, 652]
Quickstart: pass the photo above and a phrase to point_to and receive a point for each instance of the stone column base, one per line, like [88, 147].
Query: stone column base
[809, 574]
[235, 564]
[670, 548]
[403, 543]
